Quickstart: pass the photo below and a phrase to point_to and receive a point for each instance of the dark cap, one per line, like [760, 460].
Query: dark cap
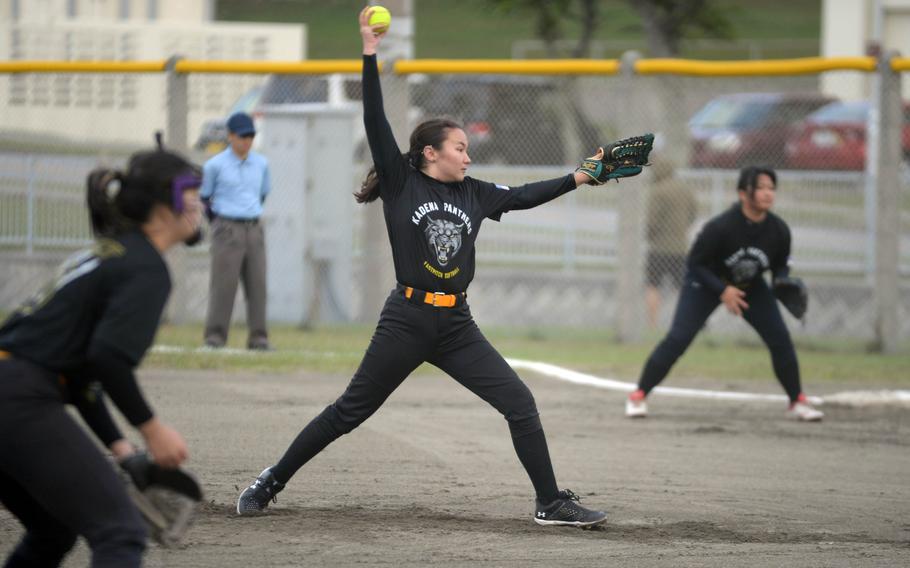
[241, 124]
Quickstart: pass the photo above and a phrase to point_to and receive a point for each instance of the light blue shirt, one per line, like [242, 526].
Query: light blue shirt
[237, 188]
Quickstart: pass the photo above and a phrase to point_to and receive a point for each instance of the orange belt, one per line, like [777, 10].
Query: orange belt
[436, 299]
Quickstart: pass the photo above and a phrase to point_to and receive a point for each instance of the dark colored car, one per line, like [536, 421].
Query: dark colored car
[834, 138]
[732, 131]
[508, 120]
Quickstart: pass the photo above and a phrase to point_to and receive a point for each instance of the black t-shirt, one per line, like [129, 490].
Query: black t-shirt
[105, 300]
[112, 294]
[731, 249]
[432, 225]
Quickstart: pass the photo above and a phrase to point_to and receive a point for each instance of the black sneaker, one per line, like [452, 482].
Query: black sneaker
[566, 511]
[256, 497]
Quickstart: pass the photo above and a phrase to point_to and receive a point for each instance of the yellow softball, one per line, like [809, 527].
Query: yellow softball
[380, 17]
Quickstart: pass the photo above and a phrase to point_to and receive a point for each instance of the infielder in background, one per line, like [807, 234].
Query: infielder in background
[83, 334]
[235, 185]
[433, 213]
[671, 211]
[726, 266]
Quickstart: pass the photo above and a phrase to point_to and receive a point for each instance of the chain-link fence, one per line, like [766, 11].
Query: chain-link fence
[608, 257]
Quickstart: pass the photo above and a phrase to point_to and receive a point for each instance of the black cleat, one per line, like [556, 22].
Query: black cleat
[566, 511]
[255, 498]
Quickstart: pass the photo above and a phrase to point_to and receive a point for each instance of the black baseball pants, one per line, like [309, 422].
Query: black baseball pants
[408, 334]
[696, 303]
[56, 481]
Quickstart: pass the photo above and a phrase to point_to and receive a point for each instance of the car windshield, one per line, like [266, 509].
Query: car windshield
[463, 100]
[733, 113]
[841, 112]
[247, 102]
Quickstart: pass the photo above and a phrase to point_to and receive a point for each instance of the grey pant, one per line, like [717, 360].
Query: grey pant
[238, 253]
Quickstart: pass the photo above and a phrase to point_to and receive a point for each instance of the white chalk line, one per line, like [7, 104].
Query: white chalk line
[846, 398]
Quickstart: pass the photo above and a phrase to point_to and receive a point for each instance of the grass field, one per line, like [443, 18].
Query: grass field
[471, 29]
[338, 350]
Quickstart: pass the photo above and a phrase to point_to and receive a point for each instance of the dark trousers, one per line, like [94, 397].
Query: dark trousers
[408, 334]
[696, 303]
[56, 482]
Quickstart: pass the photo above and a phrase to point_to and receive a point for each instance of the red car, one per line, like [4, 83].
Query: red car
[834, 138]
[732, 131]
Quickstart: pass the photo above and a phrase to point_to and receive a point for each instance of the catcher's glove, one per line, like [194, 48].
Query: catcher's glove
[167, 498]
[793, 294]
[624, 158]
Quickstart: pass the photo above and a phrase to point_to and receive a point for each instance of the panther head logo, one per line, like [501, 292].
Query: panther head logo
[444, 237]
[745, 270]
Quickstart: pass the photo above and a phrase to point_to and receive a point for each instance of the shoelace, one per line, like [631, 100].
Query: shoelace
[570, 495]
[260, 482]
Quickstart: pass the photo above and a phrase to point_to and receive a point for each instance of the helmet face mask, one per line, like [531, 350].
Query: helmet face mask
[181, 183]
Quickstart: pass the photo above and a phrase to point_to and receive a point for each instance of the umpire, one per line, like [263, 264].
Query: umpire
[726, 265]
[236, 183]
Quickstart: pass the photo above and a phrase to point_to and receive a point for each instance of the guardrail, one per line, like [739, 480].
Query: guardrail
[804, 66]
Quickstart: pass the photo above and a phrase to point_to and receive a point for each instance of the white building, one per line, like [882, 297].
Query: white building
[117, 108]
[107, 10]
[850, 27]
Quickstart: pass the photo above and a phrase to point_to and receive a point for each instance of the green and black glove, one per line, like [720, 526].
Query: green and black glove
[623, 158]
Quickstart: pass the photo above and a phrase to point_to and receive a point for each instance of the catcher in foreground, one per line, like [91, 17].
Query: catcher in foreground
[79, 338]
[726, 266]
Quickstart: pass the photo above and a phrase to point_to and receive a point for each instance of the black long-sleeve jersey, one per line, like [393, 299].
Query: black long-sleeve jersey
[432, 225]
[731, 249]
[95, 320]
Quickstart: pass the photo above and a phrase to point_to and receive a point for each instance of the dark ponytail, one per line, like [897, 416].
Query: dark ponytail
[103, 187]
[119, 201]
[432, 132]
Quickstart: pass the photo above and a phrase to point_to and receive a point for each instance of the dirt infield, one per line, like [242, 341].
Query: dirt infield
[432, 480]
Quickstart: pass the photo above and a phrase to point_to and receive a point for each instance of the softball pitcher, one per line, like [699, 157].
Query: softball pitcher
[433, 213]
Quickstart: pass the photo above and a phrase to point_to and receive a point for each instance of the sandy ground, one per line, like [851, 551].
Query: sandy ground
[432, 479]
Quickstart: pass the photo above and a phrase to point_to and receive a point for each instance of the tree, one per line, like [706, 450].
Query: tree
[550, 17]
[666, 22]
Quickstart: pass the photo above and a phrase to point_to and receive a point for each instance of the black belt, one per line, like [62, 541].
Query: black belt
[61, 380]
[252, 221]
[436, 299]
